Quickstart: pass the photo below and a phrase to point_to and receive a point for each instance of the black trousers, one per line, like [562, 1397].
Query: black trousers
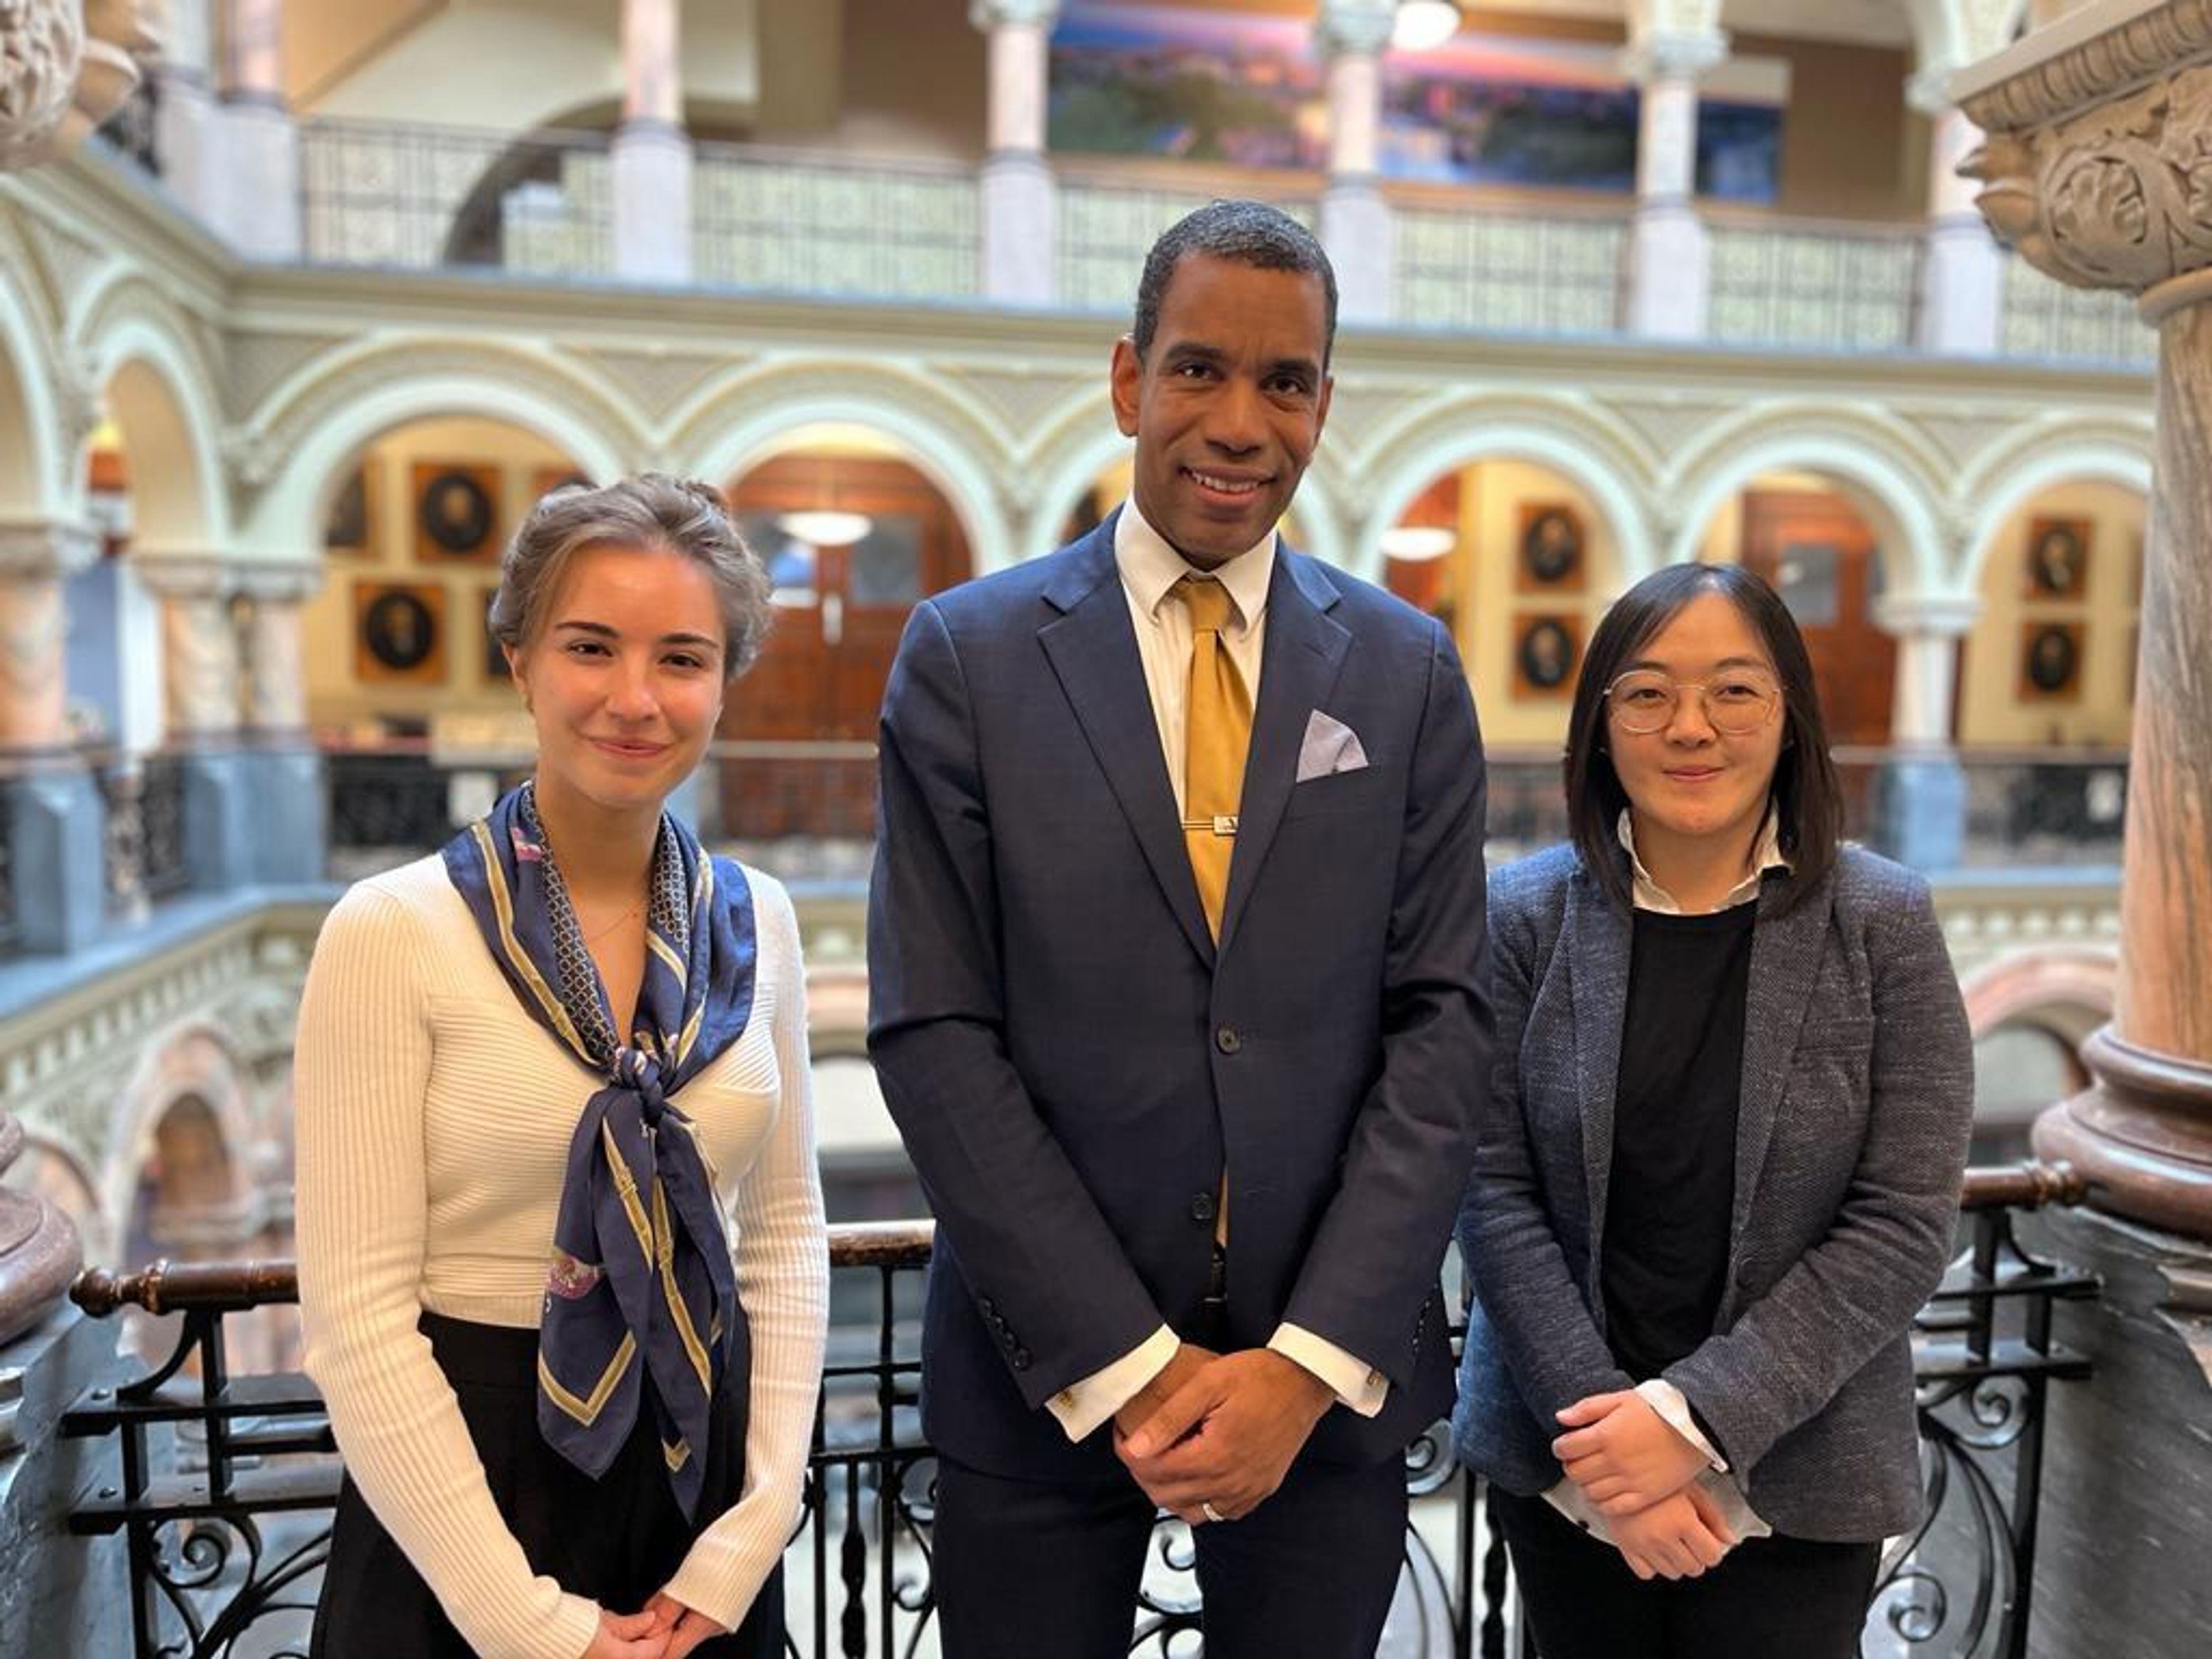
[617, 1539]
[1028, 1569]
[1769, 1596]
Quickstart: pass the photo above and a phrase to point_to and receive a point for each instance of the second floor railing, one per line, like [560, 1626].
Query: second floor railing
[221, 1484]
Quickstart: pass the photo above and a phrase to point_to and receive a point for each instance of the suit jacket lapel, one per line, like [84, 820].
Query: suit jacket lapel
[1092, 647]
[1785, 961]
[1298, 666]
[1598, 977]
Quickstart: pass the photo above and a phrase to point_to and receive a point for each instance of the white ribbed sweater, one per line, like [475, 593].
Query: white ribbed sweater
[433, 1116]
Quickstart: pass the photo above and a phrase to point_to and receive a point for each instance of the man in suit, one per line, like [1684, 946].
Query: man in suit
[1175, 948]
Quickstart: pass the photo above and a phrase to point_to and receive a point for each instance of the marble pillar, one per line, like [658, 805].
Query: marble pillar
[1920, 790]
[1669, 258]
[285, 769]
[1961, 266]
[185, 146]
[252, 187]
[1355, 223]
[1020, 202]
[54, 825]
[2097, 170]
[204, 689]
[652, 153]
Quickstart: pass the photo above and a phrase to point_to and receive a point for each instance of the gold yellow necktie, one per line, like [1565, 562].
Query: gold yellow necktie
[1217, 731]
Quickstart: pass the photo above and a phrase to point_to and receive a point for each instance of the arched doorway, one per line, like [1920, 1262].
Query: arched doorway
[854, 536]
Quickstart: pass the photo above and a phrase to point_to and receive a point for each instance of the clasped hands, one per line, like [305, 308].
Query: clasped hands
[1642, 1475]
[1219, 1429]
[662, 1628]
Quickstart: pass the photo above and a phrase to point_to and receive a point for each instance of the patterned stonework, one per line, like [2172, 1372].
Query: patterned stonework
[41, 49]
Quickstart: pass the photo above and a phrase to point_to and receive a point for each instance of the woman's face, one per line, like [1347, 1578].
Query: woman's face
[623, 678]
[1689, 782]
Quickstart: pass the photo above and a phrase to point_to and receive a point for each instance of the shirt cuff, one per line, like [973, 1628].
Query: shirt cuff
[1358, 1386]
[1082, 1406]
[1664, 1398]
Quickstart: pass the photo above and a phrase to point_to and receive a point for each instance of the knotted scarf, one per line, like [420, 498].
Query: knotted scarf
[642, 1290]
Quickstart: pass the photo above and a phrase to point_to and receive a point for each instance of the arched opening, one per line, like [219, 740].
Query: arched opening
[188, 1205]
[854, 536]
[407, 695]
[2046, 684]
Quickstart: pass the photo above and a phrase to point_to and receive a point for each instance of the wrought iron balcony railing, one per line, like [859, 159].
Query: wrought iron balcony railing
[223, 1483]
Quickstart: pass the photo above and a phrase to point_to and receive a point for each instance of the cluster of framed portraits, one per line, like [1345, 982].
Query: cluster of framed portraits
[2054, 582]
[1549, 563]
[455, 521]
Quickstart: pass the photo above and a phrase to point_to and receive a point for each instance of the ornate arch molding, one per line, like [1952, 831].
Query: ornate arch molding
[132, 323]
[2010, 474]
[2028, 985]
[1591, 448]
[1872, 454]
[194, 1060]
[26, 328]
[283, 457]
[743, 417]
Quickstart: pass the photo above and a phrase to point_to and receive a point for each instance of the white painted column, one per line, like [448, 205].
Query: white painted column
[1020, 201]
[253, 186]
[652, 153]
[1356, 224]
[1962, 266]
[185, 144]
[1668, 257]
[1920, 805]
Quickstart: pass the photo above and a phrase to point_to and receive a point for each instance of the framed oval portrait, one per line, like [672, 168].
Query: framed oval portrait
[1545, 652]
[2057, 558]
[401, 632]
[456, 511]
[1551, 546]
[2050, 660]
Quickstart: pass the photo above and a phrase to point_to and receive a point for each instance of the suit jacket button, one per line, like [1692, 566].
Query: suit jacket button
[1227, 1039]
[1021, 1359]
[1201, 1208]
[989, 1307]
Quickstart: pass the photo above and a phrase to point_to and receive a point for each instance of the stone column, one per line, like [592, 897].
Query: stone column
[185, 145]
[652, 158]
[203, 691]
[1920, 792]
[253, 188]
[1020, 201]
[289, 823]
[1356, 226]
[54, 821]
[2097, 166]
[1668, 256]
[1961, 266]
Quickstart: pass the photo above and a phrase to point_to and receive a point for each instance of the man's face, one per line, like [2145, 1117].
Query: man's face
[1227, 406]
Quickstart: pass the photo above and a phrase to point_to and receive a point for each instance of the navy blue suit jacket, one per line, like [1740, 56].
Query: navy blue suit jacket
[1071, 1060]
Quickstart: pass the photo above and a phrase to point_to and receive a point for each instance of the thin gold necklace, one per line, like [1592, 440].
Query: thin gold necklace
[597, 934]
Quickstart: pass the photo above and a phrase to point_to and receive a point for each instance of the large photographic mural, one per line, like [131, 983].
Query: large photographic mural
[1242, 89]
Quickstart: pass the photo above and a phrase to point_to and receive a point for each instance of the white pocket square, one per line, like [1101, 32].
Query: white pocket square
[1330, 747]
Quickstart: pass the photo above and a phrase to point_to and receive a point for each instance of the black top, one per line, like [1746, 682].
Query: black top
[1672, 1182]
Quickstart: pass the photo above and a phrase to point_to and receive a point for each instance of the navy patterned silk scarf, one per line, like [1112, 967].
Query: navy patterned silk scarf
[642, 1290]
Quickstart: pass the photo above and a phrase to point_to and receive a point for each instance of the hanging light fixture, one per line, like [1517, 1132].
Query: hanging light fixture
[1420, 25]
[1417, 542]
[821, 529]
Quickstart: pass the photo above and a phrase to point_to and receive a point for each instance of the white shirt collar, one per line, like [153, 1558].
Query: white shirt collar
[1150, 566]
[1649, 894]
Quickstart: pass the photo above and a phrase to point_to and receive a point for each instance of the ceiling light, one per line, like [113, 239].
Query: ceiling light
[1420, 25]
[1415, 543]
[824, 529]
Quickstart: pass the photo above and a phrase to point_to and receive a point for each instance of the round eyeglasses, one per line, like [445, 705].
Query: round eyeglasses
[1644, 699]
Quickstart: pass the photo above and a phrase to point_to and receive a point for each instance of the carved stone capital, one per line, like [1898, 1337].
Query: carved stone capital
[988, 14]
[2097, 167]
[1944, 616]
[278, 584]
[42, 551]
[1671, 55]
[189, 576]
[41, 50]
[1353, 29]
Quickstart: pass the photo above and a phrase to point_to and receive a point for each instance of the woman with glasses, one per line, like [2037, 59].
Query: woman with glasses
[1719, 1167]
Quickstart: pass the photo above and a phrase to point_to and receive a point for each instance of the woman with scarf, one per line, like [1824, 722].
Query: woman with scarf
[561, 1261]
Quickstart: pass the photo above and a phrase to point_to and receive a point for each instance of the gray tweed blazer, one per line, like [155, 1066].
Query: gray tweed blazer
[1857, 1100]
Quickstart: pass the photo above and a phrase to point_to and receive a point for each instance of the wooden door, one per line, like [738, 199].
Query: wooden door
[810, 702]
[1820, 556]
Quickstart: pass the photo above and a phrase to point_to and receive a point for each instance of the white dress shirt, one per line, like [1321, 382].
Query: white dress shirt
[1150, 568]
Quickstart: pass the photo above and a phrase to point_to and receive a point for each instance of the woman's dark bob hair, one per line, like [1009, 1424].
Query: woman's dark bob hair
[1806, 802]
